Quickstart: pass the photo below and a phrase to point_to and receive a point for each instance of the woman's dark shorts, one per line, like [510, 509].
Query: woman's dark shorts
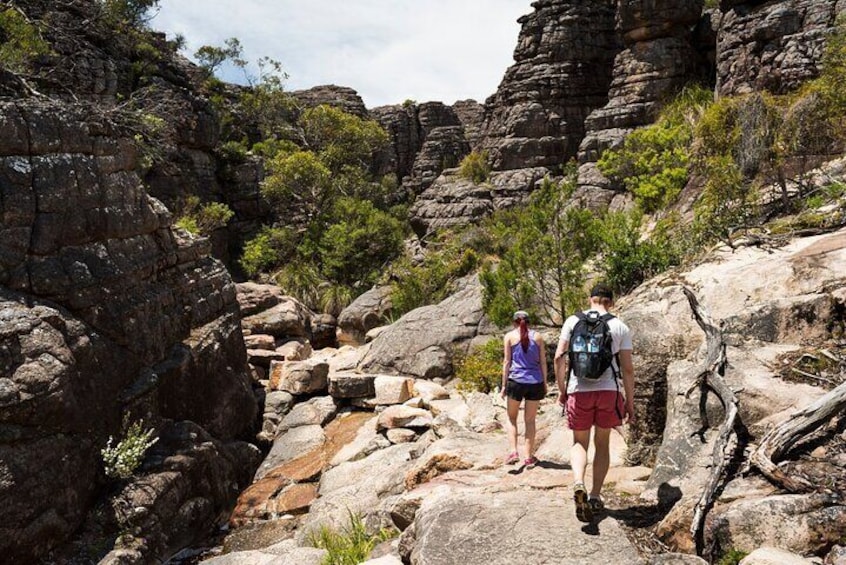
[519, 391]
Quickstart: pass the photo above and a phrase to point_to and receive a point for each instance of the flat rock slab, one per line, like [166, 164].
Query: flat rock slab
[478, 528]
[316, 411]
[352, 385]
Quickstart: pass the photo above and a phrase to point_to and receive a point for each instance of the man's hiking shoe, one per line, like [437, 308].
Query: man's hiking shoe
[584, 513]
[531, 462]
[596, 505]
[512, 458]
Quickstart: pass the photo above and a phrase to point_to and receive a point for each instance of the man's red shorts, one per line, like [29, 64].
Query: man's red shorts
[586, 409]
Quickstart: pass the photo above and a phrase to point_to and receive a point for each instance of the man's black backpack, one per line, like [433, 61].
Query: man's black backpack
[590, 345]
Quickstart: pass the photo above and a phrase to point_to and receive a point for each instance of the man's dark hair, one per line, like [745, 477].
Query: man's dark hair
[602, 290]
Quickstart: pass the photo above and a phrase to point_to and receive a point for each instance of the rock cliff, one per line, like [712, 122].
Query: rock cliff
[118, 315]
[108, 315]
[562, 71]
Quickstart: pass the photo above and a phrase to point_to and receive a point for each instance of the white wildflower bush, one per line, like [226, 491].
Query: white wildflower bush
[121, 461]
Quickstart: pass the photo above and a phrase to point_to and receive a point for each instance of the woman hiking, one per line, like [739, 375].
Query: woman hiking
[523, 378]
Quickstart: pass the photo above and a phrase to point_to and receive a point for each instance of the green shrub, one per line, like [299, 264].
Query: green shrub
[474, 167]
[653, 162]
[340, 138]
[732, 557]
[203, 219]
[302, 280]
[481, 370]
[122, 460]
[269, 249]
[355, 250]
[351, 545]
[20, 41]
[232, 152]
[728, 201]
[541, 262]
[131, 13]
[448, 258]
[627, 258]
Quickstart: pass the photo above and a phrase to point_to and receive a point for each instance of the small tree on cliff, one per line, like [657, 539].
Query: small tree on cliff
[541, 266]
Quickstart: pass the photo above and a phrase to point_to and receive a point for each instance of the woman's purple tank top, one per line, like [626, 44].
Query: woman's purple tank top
[525, 365]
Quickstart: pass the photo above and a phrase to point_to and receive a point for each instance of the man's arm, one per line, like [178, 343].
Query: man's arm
[627, 368]
[561, 367]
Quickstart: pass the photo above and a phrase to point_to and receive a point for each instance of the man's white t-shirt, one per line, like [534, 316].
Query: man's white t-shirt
[621, 340]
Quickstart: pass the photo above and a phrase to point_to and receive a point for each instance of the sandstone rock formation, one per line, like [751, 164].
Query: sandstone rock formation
[562, 71]
[341, 97]
[425, 139]
[453, 201]
[789, 297]
[119, 316]
[658, 59]
[772, 46]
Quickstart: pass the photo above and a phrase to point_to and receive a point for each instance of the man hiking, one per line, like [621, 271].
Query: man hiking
[594, 353]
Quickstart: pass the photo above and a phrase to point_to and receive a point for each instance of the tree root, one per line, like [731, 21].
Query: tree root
[778, 441]
[711, 377]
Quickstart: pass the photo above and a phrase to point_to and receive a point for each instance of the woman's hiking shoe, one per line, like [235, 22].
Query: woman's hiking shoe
[584, 513]
[512, 458]
[596, 504]
[531, 462]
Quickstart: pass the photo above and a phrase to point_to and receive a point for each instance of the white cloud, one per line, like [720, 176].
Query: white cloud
[388, 50]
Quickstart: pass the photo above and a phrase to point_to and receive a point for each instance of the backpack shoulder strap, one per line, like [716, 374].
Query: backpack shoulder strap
[607, 317]
[580, 315]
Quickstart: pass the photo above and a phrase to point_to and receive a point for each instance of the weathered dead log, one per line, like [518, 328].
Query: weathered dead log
[712, 377]
[778, 441]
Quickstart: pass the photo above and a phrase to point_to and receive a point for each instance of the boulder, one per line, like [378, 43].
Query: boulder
[837, 556]
[299, 377]
[401, 435]
[400, 416]
[324, 328]
[391, 390]
[358, 486]
[283, 553]
[295, 350]
[774, 556]
[262, 358]
[352, 385]
[794, 523]
[676, 559]
[483, 528]
[366, 312]
[290, 445]
[289, 318]
[259, 501]
[260, 341]
[295, 499]
[384, 560]
[422, 343]
[317, 411]
[254, 297]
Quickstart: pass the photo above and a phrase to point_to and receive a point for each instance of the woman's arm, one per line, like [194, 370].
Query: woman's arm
[542, 351]
[506, 362]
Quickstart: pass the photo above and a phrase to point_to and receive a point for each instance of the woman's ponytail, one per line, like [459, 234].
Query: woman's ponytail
[524, 334]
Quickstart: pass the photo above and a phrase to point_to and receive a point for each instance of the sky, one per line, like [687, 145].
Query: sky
[388, 50]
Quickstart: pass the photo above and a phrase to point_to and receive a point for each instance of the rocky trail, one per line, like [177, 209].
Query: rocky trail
[452, 487]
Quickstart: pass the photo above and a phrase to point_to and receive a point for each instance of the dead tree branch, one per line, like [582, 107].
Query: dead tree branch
[778, 441]
[712, 377]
